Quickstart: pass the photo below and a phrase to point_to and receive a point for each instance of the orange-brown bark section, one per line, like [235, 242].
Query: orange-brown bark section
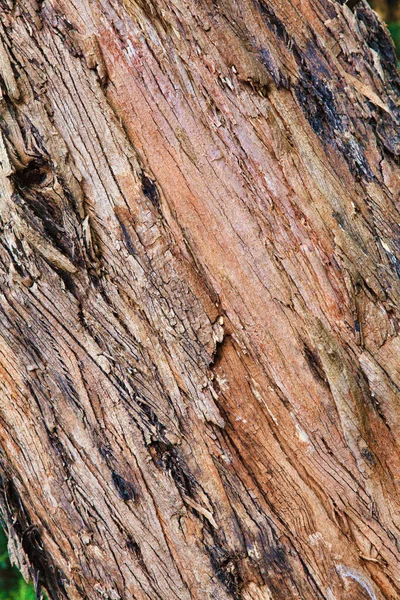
[199, 277]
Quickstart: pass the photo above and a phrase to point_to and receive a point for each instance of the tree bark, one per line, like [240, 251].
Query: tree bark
[199, 277]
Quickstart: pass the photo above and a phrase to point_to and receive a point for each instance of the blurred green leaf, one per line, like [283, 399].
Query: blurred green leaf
[12, 584]
[394, 29]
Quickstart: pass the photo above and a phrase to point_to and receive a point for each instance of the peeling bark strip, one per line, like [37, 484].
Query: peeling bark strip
[199, 297]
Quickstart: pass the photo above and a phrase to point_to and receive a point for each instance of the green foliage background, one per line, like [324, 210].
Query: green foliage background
[394, 29]
[12, 584]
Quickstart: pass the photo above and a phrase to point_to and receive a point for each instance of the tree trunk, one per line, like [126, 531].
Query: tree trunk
[199, 266]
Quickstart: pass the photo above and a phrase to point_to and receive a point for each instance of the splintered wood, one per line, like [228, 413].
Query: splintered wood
[199, 296]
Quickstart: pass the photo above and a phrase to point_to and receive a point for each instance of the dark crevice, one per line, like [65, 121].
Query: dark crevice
[127, 238]
[315, 365]
[126, 490]
[226, 567]
[150, 190]
[272, 21]
[33, 175]
[166, 457]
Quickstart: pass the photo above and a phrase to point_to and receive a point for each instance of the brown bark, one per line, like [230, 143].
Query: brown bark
[199, 276]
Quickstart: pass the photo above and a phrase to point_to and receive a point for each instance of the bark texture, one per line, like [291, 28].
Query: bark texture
[199, 307]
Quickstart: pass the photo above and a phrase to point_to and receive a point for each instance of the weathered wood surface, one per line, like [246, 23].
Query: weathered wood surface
[199, 273]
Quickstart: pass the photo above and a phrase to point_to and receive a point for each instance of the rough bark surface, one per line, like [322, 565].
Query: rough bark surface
[199, 277]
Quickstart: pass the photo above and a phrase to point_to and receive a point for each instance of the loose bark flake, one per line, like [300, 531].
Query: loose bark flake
[199, 289]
